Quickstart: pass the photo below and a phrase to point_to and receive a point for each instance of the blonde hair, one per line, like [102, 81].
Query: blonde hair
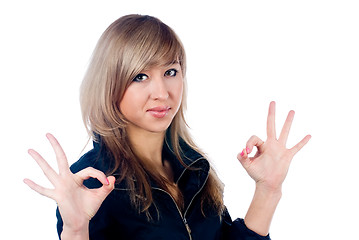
[129, 45]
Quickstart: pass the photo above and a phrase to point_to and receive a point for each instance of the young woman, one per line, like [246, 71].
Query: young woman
[145, 178]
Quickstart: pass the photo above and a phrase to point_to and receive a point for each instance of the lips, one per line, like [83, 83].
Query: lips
[159, 112]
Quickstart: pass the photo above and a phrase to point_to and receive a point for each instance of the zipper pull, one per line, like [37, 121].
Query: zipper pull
[187, 226]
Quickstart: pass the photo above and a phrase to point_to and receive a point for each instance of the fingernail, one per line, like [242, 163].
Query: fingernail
[247, 149]
[242, 153]
[108, 183]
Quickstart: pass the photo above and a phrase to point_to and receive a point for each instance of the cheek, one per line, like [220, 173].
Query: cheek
[129, 101]
[177, 90]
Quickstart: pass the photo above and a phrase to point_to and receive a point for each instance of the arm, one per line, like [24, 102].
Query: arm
[77, 204]
[261, 210]
[268, 168]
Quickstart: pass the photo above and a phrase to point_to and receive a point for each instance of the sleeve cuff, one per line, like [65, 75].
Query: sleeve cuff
[239, 231]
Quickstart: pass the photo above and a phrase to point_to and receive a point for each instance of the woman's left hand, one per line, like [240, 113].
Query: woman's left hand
[270, 164]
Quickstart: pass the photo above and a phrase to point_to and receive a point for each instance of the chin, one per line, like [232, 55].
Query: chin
[151, 126]
[158, 129]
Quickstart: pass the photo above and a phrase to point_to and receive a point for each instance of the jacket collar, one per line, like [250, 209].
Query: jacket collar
[192, 176]
[193, 161]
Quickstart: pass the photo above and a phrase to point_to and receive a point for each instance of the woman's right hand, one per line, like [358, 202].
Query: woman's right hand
[77, 204]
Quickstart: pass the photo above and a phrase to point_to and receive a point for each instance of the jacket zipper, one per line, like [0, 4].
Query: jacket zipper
[184, 220]
[187, 227]
[190, 203]
[183, 216]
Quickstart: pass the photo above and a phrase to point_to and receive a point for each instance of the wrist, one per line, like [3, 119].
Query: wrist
[262, 208]
[75, 234]
[268, 189]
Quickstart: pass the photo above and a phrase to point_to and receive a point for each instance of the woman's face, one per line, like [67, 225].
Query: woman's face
[153, 98]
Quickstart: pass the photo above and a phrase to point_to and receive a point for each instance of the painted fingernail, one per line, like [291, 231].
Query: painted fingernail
[247, 149]
[242, 153]
[108, 183]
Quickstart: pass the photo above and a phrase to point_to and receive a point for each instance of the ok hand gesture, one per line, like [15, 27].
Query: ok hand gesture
[270, 164]
[77, 204]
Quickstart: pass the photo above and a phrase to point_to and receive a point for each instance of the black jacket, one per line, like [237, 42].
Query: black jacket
[116, 219]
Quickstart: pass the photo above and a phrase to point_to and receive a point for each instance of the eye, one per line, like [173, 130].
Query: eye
[171, 73]
[140, 77]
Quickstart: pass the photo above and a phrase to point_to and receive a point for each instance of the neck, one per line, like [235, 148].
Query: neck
[147, 145]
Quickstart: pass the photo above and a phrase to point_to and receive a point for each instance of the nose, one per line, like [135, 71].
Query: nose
[159, 89]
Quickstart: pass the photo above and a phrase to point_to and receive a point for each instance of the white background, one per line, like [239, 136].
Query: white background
[241, 55]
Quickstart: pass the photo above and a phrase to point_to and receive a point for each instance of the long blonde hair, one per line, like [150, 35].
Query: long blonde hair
[127, 46]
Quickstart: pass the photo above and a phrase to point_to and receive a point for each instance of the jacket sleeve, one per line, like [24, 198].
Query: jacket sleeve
[59, 224]
[237, 230]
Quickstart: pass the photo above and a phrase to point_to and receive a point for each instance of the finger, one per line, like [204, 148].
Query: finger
[253, 141]
[243, 158]
[301, 144]
[111, 180]
[37, 188]
[94, 173]
[60, 154]
[106, 189]
[283, 137]
[271, 132]
[45, 167]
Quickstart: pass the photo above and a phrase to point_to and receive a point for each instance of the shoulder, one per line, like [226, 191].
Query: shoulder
[89, 159]
[95, 159]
